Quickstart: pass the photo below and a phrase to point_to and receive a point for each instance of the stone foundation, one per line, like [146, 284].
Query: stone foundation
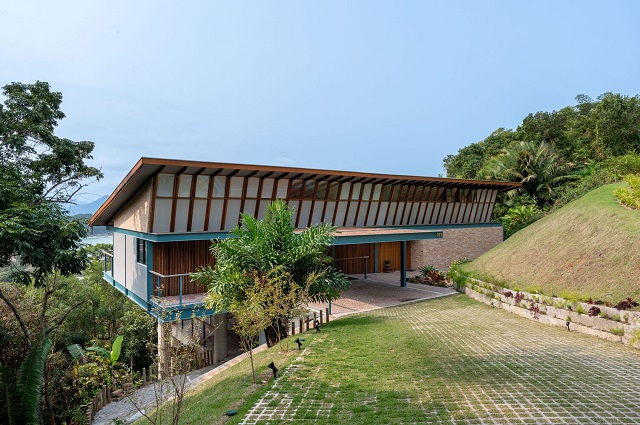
[456, 244]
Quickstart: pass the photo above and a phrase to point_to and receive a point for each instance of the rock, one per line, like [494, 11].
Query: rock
[135, 417]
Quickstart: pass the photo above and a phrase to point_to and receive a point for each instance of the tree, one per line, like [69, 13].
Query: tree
[258, 247]
[534, 164]
[39, 171]
[469, 160]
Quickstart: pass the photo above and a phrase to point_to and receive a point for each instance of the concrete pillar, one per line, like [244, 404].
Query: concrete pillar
[164, 350]
[220, 322]
[197, 331]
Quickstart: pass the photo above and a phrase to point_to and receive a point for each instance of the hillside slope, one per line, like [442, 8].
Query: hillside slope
[591, 246]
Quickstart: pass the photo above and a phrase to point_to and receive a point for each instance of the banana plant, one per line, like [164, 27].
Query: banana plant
[111, 356]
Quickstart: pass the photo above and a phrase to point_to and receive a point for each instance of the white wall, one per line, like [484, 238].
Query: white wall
[128, 272]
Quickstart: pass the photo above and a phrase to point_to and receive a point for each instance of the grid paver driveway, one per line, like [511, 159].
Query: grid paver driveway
[463, 363]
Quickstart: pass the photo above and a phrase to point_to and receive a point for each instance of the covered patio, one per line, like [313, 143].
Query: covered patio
[380, 290]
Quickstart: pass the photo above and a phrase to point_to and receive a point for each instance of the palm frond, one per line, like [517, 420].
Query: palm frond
[29, 384]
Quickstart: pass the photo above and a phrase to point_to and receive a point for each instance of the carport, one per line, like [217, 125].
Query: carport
[360, 250]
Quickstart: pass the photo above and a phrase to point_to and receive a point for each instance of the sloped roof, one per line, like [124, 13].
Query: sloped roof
[147, 168]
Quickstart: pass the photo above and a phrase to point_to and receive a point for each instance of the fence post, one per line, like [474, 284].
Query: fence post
[321, 317]
[293, 328]
[328, 314]
[300, 320]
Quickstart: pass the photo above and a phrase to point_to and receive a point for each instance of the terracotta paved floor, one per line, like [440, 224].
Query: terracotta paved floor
[380, 290]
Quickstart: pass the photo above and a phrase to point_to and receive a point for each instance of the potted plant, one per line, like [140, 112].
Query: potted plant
[387, 266]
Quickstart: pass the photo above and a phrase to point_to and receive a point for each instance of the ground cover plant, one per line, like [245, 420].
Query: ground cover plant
[450, 360]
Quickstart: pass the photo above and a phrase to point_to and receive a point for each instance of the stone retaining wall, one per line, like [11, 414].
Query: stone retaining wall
[554, 311]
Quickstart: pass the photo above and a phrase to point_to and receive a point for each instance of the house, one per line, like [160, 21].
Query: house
[165, 213]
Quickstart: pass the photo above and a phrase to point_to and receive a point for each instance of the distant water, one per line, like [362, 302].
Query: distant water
[94, 240]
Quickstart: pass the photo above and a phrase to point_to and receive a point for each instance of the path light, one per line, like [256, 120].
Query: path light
[274, 369]
[567, 324]
[317, 325]
[231, 412]
[299, 342]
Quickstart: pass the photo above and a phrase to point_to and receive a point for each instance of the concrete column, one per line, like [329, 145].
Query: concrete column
[164, 350]
[197, 331]
[220, 322]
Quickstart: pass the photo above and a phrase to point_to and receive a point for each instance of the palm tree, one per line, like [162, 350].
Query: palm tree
[257, 248]
[536, 165]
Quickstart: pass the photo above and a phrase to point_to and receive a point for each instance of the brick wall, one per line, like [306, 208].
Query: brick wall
[456, 244]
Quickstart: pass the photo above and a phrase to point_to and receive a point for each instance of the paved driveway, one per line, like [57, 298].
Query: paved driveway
[469, 364]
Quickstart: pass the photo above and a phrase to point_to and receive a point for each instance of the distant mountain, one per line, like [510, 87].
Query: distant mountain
[89, 208]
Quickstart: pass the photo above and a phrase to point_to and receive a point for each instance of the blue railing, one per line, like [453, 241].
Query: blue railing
[158, 279]
[107, 262]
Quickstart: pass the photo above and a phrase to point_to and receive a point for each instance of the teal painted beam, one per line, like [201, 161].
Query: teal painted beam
[403, 264]
[149, 267]
[132, 296]
[171, 314]
[392, 237]
[375, 258]
[170, 237]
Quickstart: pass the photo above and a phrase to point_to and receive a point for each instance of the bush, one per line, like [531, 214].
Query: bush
[608, 171]
[519, 217]
[629, 196]
[458, 278]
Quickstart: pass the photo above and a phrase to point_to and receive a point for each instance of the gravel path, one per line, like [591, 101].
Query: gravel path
[145, 397]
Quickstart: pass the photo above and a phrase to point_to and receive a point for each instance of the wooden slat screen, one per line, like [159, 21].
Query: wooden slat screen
[181, 257]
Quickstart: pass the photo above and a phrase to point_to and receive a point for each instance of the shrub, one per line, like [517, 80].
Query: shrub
[508, 294]
[626, 304]
[424, 271]
[518, 217]
[617, 331]
[629, 196]
[580, 309]
[459, 279]
[519, 296]
[594, 311]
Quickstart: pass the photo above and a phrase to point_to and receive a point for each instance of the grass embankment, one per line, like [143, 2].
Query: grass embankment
[588, 248]
[450, 360]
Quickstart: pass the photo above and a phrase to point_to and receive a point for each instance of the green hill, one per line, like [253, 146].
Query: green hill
[590, 246]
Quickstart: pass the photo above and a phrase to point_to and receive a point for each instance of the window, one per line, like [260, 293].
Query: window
[141, 251]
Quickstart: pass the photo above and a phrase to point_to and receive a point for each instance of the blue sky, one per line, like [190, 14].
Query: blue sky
[390, 87]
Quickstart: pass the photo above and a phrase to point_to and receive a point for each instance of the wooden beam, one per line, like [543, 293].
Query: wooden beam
[209, 197]
[192, 195]
[174, 201]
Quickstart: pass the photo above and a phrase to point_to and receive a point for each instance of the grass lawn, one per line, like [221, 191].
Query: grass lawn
[450, 360]
[588, 248]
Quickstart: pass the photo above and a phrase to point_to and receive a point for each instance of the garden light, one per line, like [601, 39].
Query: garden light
[274, 369]
[317, 325]
[299, 342]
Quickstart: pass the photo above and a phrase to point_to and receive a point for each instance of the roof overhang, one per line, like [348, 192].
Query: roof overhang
[358, 235]
[147, 168]
[342, 235]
